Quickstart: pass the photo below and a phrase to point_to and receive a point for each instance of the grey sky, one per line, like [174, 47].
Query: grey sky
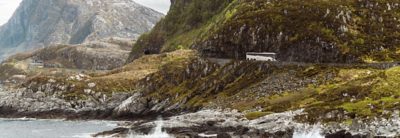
[7, 7]
[159, 5]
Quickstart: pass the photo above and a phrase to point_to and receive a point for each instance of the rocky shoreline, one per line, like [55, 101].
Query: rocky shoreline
[193, 108]
[205, 122]
[48, 103]
[26, 103]
[228, 123]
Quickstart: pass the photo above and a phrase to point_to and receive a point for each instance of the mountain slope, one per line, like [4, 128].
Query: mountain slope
[315, 31]
[172, 31]
[38, 23]
[94, 56]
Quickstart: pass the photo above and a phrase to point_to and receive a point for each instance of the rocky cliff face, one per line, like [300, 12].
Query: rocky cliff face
[302, 31]
[38, 23]
[172, 32]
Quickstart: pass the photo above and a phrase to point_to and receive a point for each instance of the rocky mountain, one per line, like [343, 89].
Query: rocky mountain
[302, 31]
[40, 23]
[174, 31]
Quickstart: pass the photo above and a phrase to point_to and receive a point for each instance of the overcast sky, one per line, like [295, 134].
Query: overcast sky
[7, 7]
[159, 5]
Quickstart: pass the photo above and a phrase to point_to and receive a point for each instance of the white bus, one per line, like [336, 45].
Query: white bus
[261, 56]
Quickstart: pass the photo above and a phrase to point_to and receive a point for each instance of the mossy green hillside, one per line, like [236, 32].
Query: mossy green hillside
[183, 24]
[321, 90]
[353, 93]
[324, 31]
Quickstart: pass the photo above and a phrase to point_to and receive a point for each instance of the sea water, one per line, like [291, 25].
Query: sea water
[33, 128]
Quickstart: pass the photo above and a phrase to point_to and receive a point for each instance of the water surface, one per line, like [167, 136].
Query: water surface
[31, 128]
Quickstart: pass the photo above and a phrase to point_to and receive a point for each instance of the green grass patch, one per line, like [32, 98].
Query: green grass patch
[256, 115]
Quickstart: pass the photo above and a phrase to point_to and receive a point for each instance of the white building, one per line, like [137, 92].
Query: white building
[261, 56]
[35, 64]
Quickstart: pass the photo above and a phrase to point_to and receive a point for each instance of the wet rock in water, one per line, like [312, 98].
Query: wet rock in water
[279, 134]
[241, 130]
[223, 135]
[344, 134]
[208, 123]
[186, 135]
[211, 123]
[220, 124]
[112, 132]
[340, 135]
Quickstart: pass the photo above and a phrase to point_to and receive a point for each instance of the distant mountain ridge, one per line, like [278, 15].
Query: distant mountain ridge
[40, 23]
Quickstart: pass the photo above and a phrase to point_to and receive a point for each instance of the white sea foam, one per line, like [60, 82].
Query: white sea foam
[156, 133]
[311, 132]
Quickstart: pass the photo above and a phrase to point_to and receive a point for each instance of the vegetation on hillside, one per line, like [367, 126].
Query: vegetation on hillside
[122, 79]
[175, 31]
[327, 93]
[316, 31]
[305, 31]
[8, 70]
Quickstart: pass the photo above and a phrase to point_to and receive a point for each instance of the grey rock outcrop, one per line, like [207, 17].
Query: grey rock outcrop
[216, 122]
[48, 101]
[96, 55]
[40, 23]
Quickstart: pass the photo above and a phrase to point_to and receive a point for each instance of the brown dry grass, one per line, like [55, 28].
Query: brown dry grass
[145, 65]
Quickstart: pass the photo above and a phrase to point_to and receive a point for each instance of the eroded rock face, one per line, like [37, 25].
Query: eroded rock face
[300, 31]
[131, 105]
[38, 23]
[349, 31]
[183, 16]
[48, 101]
